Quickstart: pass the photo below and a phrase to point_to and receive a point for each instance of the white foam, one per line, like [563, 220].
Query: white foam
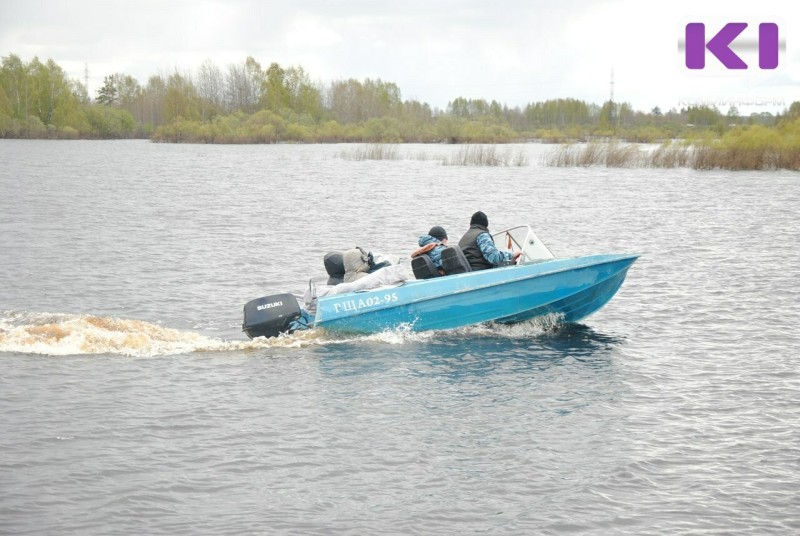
[74, 334]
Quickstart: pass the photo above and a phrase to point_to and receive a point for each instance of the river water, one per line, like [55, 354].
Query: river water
[131, 403]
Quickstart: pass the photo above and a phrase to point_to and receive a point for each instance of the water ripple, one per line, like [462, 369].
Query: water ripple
[131, 403]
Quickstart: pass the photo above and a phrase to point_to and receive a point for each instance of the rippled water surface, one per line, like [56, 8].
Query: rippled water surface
[131, 403]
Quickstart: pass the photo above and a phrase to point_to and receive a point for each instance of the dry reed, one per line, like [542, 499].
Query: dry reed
[485, 155]
[595, 154]
[700, 156]
[375, 151]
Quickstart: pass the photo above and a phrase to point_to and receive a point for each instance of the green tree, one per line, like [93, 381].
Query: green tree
[6, 113]
[304, 98]
[110, 122]
[153, 102]
[344, 99]
[626, 116]
[733, 115]
[794, 110]
[557, 113]
[309, 101]
[51, 88]
[254, 77]
[381, 99]
[129, 91]
[275, 93]
[16, 84]
[290, 90]
[608, 115]
[703, 115]
[459, 107]
[108, 95]
[180, 99]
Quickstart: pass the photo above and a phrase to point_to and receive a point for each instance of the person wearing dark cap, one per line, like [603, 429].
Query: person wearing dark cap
[432, 244]
[479, 248]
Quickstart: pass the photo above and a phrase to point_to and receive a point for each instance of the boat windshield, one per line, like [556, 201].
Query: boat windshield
[523, 238]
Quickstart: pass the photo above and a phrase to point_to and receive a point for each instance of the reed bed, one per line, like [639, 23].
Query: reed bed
[739, 158]
[613, 154]
[485, 155]
[467, 155]
[596, 154]
[671, 155]
[375, 151]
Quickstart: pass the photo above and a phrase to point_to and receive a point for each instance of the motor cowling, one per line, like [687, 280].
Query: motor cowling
[270, 316]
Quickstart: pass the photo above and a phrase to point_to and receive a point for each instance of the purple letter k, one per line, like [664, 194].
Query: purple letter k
[718, 45]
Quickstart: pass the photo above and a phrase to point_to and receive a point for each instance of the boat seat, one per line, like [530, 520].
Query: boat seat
[423, 267]
[334, 265]
[454, 261]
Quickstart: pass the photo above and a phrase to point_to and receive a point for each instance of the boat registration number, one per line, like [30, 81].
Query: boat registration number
[362, 303]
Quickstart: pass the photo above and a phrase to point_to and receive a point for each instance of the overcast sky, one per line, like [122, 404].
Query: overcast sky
[515, 52]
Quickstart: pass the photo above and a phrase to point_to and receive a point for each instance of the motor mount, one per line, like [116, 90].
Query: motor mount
[270, 316]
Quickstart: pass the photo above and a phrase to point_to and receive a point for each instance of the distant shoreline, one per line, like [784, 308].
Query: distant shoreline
[251, 105]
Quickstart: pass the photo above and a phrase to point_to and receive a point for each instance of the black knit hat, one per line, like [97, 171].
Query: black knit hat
[479, 218]
[438, 232]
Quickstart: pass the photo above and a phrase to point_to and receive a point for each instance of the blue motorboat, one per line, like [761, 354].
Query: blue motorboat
[538, 285]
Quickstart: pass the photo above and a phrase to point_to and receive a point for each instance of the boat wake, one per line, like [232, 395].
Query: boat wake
[59, 334]
[81, 334]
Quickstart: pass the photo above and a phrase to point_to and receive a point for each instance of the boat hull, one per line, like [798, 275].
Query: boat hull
[573, 288]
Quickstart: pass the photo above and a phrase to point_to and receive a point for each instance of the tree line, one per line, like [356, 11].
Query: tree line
[245, 103]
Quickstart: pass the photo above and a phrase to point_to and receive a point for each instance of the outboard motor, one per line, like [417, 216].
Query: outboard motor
[270, 316]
